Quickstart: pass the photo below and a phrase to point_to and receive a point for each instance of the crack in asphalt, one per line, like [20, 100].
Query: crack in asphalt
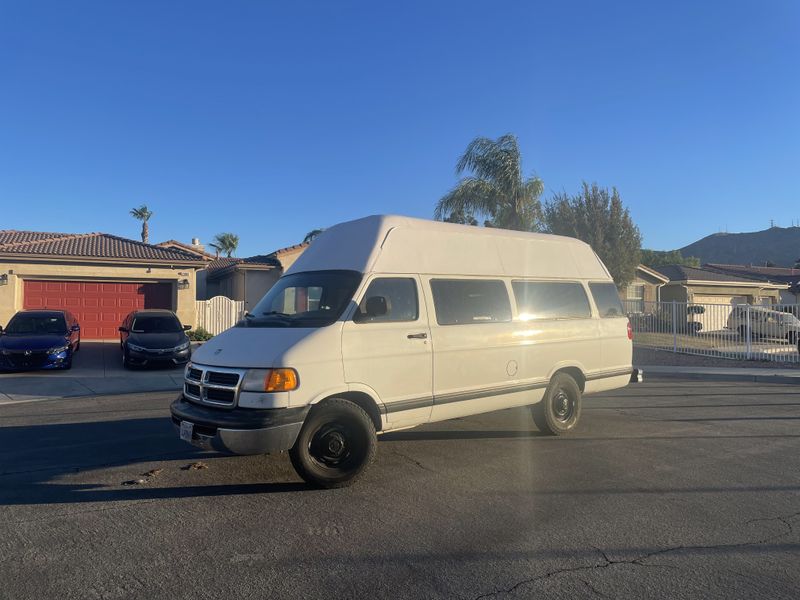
[412, 461]
[785, 520]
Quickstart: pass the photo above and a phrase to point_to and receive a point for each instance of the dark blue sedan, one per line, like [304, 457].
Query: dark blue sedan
[39, 339]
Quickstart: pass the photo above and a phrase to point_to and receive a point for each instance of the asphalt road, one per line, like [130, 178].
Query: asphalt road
[668, 490]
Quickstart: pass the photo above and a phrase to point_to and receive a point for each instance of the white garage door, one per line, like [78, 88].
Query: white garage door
[718, 309]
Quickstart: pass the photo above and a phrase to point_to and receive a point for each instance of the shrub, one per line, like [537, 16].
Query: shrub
[199, 335]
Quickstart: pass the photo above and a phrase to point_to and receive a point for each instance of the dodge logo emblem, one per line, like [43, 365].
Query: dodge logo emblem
[28, 353]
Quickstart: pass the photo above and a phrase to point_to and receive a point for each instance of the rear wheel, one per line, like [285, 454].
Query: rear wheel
[336, 444]
[560, 409]
[743, 331]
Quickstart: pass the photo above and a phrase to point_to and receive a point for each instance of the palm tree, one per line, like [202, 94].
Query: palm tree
[311, 235]
[225, 242]
[496, 189]
[143, 214]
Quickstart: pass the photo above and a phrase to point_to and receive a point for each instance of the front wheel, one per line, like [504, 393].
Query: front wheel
[560, 409]
[336, 444]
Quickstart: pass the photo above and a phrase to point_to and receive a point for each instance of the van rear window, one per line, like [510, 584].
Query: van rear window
[606, 297]
[468, 301]
[551, 300]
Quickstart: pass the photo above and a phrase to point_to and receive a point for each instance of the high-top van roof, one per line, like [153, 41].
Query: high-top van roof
[397, 244]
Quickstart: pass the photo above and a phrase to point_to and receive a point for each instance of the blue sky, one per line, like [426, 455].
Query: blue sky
[269, 119]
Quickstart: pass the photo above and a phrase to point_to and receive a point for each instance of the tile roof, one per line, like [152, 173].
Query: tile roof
[778, 274]
[289, 248]
[219, 266]
[684, 273]
[188, 247]
[86, 245]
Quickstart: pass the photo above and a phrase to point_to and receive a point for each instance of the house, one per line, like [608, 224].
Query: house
[790, 277]
[97, 276]
[248, 279]
[716, 291]
[698, 285]
[644, 289]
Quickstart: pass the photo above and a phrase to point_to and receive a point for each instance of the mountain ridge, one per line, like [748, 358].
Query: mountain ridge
[778, 245]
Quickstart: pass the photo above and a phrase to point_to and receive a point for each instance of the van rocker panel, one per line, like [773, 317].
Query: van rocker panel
[242, 430]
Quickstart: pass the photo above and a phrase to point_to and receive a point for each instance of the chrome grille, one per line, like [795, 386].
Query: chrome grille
[218, 386]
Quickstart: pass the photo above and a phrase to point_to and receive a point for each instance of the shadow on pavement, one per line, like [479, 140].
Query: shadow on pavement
[34, 458]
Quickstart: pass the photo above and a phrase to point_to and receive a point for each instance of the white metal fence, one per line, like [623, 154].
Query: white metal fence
[218, 314]
[740, 331]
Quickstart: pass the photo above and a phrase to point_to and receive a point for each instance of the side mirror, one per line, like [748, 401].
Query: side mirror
[75, 327]
[187, 327]
[1, 330]
[123, 329]
[376, 306]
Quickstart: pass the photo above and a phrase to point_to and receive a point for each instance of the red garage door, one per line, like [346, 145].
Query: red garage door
[99, 306]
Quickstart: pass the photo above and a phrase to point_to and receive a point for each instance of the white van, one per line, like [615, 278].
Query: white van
[389, 322]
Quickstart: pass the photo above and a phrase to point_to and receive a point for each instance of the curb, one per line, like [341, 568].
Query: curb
[710, 376]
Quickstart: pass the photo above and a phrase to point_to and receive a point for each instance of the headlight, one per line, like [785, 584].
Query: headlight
[270, 380]
[183, 346]
[58, 349]
[135, 348]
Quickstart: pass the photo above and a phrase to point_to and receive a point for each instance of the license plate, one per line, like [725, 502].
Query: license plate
[186, 431]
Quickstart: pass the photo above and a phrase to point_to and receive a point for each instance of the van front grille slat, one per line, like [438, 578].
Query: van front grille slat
[217, 386]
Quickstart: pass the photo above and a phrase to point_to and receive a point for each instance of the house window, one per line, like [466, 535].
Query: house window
[634, 298]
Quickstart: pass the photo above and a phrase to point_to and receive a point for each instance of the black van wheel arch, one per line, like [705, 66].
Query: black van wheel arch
[336, 444]
[559, 410]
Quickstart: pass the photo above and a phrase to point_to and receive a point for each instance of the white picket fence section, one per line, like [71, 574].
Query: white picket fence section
[736, 331]
[219, 313]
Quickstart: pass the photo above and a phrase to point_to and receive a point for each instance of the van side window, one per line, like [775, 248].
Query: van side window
[551, 300]
[464, 301]
[400, 301]
[606, 297]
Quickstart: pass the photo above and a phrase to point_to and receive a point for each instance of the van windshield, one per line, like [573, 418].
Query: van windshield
[310, 299]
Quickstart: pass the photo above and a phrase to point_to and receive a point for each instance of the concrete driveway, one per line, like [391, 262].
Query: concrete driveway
[96, 369]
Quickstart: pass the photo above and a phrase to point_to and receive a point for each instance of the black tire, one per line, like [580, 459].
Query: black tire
[126, 364]
[78, 346]
[336, 444]
[560, 409]
[743, 331]
[68, 364]
[792, 337]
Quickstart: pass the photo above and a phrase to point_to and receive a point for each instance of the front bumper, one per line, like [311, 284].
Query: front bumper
[36, 361]
[240, 430]
[158, 357]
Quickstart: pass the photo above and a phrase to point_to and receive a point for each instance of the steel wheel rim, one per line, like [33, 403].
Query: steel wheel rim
[332, 446]
[563, 406]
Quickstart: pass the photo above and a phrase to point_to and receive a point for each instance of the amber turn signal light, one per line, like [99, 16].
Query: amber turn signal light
[281, 380]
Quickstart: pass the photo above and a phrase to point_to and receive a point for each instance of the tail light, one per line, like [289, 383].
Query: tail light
[630, 330]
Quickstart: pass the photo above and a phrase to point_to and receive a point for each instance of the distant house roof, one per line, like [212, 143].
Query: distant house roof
[774, 274]
[652, 273]
[226, 264]
[682, 273]
[100, 246]
[187, 247]
[289, 249]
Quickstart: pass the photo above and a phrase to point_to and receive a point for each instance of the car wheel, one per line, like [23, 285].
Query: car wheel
[126, 364]
[68, 364]
[792, 337]
[743, 331]
[560, 409]
[336, 444]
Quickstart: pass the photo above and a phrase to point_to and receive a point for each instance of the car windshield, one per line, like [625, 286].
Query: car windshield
[311, 299]
[156, 324]
[37, 325]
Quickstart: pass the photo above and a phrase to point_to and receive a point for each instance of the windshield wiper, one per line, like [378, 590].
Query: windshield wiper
[276, 313]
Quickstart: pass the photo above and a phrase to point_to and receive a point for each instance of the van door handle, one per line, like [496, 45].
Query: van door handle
[417, 336]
